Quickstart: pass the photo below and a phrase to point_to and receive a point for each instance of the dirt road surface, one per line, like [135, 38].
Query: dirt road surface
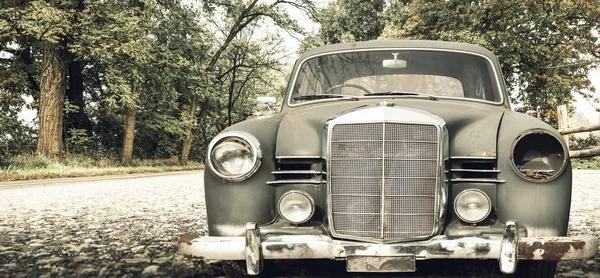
[127, 226]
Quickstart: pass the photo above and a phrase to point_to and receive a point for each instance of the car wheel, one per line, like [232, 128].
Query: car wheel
[535, 269]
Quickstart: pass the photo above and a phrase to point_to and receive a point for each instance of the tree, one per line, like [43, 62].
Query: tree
[246, 64]
[239, 15]
[347, 21]
[45, 25]
[351, 20]
[544, 46]
[138, 77]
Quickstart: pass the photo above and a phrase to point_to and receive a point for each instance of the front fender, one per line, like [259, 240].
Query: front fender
[230, 205]
[542, 207]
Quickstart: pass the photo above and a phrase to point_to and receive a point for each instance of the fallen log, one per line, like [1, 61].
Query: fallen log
[584, 153]
[579, 129]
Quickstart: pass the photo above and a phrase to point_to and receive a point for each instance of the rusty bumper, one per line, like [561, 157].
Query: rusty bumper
[508, 249]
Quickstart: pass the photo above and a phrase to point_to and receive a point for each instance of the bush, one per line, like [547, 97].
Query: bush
[29, 161]
[578, 143]
[590, 163]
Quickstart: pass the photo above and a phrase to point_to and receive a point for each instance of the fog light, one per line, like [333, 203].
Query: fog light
[472, 205]
[296, 206]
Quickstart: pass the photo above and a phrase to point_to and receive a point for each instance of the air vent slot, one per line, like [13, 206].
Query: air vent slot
[299, 170]
[473, 169]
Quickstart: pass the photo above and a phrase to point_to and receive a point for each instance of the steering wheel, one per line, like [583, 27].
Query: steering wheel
[350, 85]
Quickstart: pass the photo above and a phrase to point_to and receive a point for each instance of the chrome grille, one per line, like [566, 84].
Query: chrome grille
[383, 180]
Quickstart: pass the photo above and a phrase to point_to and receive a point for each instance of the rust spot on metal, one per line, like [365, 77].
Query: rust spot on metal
[439, 249]
[482, 249]
[186, 238]
[553, 250]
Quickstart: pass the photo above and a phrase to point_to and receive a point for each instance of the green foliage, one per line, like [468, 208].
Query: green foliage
[540, 44]
[351, 20]
[162, 58]
[347, 21]
[78, 141]
[15, 138]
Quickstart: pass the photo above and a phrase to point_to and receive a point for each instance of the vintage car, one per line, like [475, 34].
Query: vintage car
[385, 153]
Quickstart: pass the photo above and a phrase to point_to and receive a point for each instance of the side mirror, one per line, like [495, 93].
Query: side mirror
[265, 103]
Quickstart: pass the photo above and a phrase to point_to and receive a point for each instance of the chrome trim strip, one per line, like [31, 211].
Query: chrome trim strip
[500, 88]
[383, 182]
[474, 157]
[478, 180]
[299, 157]
[391, 195]
[298, 172]
[296, 181]
[389, 213]
[350, 141]
[474, 171]
[395, 159]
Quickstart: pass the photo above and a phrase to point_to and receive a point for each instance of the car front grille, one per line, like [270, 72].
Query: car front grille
[383, 179]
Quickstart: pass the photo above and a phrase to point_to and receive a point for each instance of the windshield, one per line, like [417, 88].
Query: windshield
[394, 73]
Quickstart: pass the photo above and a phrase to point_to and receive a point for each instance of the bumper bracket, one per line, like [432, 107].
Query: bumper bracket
[509, 248]
[254, 259]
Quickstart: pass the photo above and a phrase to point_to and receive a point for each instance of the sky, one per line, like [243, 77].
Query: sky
[584, 106]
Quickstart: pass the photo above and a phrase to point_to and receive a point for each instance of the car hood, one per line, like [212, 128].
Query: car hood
[472, 126]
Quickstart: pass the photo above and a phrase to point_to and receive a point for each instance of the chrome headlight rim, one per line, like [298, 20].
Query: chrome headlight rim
[301, 192]
[540, 131]
[248, 138]
[489, 201]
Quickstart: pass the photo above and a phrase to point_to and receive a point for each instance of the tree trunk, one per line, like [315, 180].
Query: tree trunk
[230, 97]
[130, 115]
[52, 96]
[34, 84]
[77, 119]
[186, 146]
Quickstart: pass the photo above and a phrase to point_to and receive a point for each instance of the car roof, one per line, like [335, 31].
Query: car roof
[424, 44]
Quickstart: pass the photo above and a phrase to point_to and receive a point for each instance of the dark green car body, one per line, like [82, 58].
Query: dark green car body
[477, 152]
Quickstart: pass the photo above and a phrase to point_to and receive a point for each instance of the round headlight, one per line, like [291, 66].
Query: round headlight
[296, 206]
[234, 156]
[538, 156]
[472, 205]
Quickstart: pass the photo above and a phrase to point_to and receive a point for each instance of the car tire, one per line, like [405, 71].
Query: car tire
[535, 269]
[234, 269]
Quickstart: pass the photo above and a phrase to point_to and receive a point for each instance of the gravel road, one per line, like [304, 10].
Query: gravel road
[128, 226]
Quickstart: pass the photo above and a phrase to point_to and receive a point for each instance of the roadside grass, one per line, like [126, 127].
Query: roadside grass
[29, 167]
[591, 163]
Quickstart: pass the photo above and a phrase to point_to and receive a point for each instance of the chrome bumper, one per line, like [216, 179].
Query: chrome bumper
[508, 249]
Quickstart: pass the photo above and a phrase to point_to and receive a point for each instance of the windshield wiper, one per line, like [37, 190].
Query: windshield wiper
[395, 93]
[324, 96]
